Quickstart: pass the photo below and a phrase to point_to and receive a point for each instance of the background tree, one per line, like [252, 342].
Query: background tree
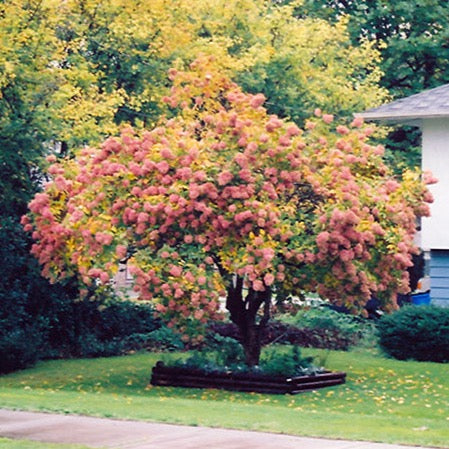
[44, 98]
[412, 37]
[298, 64]
[73, 71]
[225, 200]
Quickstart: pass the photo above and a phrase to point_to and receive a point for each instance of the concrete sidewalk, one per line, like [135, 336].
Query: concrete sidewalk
[109, 433]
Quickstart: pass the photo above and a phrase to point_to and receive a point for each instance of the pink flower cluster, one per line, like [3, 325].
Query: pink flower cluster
[226, 188]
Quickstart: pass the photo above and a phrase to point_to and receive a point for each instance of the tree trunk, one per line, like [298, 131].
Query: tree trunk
[244, 312]
[251, 342]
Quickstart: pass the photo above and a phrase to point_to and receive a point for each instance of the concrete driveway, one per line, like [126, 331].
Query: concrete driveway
[120, 434]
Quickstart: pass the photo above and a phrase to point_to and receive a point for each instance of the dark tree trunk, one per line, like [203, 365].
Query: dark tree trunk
[251, 342]
[244, 313]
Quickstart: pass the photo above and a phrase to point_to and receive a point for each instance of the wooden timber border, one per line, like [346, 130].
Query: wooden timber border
[170, 376]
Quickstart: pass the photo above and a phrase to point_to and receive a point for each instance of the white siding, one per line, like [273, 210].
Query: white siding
[435, 157]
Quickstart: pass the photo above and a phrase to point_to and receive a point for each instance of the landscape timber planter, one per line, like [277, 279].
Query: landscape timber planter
[171, 376]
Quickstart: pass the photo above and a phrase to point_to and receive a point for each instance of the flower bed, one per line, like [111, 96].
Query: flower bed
[163, 375]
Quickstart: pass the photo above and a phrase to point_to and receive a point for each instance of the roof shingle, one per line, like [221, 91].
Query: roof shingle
[427, 104]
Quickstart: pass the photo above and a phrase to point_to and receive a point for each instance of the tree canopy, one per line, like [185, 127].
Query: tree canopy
[411, 35]
[227, 200]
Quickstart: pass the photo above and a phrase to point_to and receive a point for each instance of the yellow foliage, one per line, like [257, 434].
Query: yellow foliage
[85, 67]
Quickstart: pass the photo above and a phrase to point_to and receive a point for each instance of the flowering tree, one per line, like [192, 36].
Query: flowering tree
[226, 201]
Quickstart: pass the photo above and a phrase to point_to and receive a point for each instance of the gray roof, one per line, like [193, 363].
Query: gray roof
[427, 104]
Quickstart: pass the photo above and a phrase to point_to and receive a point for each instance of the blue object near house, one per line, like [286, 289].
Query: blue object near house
[429, 110]
[421, 299]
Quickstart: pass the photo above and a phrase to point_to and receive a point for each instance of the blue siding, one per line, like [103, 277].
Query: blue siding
[440, 282]
[439, 272]
[439, 277]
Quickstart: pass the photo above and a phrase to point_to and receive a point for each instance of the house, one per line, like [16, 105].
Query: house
[429, 110]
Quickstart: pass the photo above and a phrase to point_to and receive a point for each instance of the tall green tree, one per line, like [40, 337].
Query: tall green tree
[45, 98]
[411, 35]
[298, 63]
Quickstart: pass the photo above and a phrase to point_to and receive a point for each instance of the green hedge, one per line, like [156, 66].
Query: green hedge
[96, 328]
[416, 332]
[336, 330]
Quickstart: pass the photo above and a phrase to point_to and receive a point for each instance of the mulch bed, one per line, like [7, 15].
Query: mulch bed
[163, 375]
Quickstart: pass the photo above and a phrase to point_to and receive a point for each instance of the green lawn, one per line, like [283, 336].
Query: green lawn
[6, 443]
[383, 400]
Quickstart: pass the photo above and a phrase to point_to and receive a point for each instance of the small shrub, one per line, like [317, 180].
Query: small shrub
[89, 345]
[18, 349]
[200, 360]
[121, 318]
[220, 354]
[289, 362]
[419, 333]
[307, 337]
[162, 339]
[100, 328]
[227, 351]
[345, 327]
